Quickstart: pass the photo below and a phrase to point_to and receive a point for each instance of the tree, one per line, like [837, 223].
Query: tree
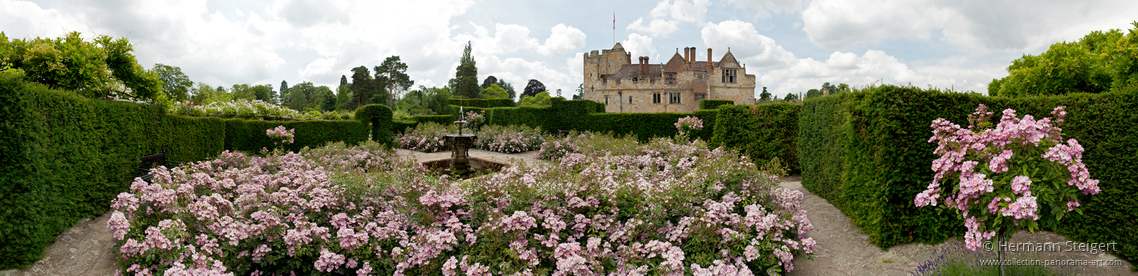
[343, 96]
[310, 92]
[508, 87]
[327, 99]
[343, 80]
[242, 92]
[297, 99]
[541, 99]
[99, 69]
[284, 98]
[363, 86]
[791, 97]
[765, 96]
[391, 75]
[175, 84]
[494, 92]
[491, 80]
[465, 82]
[437, 99]
[205, 94]
[580, 92]
[813, 93]
[263, 92]
[533, 87]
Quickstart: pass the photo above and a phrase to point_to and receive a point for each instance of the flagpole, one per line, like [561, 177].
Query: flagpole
[614, 28]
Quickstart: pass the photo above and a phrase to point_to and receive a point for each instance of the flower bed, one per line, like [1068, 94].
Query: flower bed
[509, 139]
[255, 109]
[426, 137]
[666, 209]
[587, 143]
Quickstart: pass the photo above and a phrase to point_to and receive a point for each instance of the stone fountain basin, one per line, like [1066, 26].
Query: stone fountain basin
[477, 164]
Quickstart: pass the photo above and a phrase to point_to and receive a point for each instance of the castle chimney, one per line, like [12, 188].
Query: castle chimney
[709, 60]
[692, 55]
[686, 52]
[643, 67]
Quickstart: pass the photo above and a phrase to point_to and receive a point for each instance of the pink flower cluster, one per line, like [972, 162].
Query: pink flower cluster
[426, 137]
[688, 124]
[509, 139]
[281, 135]
[980, 158]
[644, 213]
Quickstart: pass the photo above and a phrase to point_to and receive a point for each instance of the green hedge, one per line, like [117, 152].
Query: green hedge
[378, 117]
[880, 136]
[713, 104]
[483, 103]
[249, 135]
[65, 157]
[761, 132]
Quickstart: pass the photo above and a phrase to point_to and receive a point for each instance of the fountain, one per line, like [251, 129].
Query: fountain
[460, 163]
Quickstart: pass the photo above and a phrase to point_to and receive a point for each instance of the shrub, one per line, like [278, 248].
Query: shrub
[426, 137]
[713, 104]
[509, 139]
[761, 132]
[483, 103]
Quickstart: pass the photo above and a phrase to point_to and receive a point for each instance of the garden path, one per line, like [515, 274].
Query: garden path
[844, 250]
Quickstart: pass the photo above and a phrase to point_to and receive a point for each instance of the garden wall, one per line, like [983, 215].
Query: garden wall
[65, 157]
[867, 153]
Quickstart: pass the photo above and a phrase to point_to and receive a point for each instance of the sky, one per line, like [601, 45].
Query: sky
[790, 45]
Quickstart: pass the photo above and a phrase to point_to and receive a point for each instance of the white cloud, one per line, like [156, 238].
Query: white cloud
[878, 67]
[991, 26]
[764, 8]
[656, 28]
[639, 45]
[746, 44]
[562, 41]
[689, 11]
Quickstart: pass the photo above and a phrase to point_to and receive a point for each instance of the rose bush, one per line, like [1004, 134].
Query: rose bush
[509, 139]
[426, 137]
[1008, 176]
[667, 208]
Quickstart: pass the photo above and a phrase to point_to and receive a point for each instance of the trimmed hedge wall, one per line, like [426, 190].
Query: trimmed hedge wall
[880, 137]
[761, 132]
[249, 135]
[378, 117]
[713, 104]
[65, 157]
[483, 103]
[399, 126]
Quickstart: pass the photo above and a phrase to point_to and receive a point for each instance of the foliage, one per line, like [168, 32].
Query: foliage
[790, 97]
[495, 92]
[297, 99]
[1098, 62]
[490, 80]
[765, 96]
[465, 82]
[533, 88]
[426, 137]
[281, 136]
[999, 167]
[378, 117]
[761, 132]
[687, 126]
[954, 261]
[541, 99]
[175, 84]
[100, 68]
[358, 209]
[713, 104]
[249, 135]
[255, 109]
[263, 92]
[483, 103]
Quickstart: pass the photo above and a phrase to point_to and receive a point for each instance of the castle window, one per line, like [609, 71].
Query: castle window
[629, 99]
[700, 97]
[656, 98]
[670, 78]
[606, 100]
[674, 98]
[729, 75]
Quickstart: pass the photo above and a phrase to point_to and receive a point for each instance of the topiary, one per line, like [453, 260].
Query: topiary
[378, 116]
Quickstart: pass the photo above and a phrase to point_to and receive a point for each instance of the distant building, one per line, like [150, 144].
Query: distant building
[677, 86]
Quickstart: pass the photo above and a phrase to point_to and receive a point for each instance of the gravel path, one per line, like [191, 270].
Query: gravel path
[87, 248]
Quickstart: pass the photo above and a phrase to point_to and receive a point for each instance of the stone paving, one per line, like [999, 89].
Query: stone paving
[87, 248]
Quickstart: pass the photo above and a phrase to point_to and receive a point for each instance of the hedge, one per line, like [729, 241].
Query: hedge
[879, 136]
[65, 157]
[249, 135]
[713, 104]
[483, 103]
[761, 132]
[378, 117]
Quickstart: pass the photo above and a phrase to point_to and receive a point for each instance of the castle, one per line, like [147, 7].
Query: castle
[676, 86]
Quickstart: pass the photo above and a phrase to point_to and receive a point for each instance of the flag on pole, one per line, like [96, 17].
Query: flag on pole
[614, 21]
